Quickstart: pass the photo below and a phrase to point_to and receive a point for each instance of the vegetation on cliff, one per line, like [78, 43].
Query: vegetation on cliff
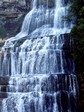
[77, 10]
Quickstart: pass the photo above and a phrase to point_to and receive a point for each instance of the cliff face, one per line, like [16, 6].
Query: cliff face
[12, 13]
[9, 1]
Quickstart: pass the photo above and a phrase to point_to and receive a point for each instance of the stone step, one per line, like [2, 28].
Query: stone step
[4, 80]
[3, 95]
[32, 88]
[36, 83]
[3, 88]
[8, 88]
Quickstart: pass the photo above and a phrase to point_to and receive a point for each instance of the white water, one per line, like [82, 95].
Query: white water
[43, 21]
[39, 62]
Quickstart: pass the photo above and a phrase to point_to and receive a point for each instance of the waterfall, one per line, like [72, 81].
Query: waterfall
[38, 62]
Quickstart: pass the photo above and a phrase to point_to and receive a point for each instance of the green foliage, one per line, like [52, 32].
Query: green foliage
[2, 31]
[77, 9]
[78, 34]
[2, 35]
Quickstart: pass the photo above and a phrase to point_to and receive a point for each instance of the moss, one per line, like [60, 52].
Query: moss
[77, 9]
[2, 32]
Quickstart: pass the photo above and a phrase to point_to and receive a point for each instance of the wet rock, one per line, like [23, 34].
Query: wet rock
[3, 95]
[49, 3]
[4, 80]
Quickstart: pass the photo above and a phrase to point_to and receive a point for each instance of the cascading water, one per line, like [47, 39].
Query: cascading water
[39, 63]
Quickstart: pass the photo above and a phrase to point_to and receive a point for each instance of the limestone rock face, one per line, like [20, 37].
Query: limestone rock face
[11, 16]
[20, 1]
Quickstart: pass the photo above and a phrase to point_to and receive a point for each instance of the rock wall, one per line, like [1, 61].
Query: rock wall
[12, 13]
